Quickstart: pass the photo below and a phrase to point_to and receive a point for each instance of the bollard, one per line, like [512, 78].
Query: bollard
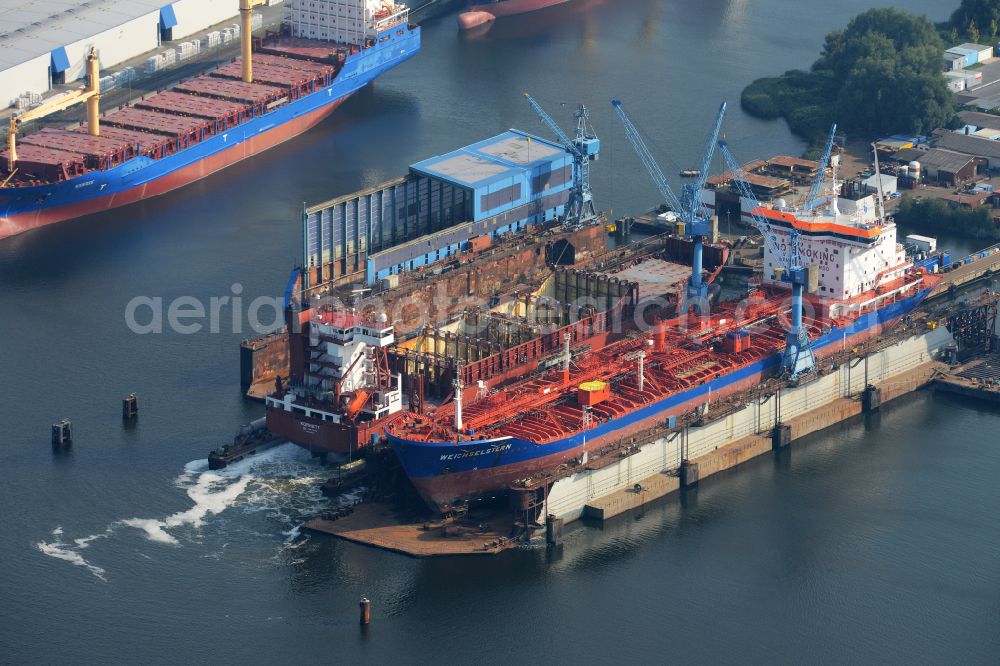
[366, 610]
[688, 474]
[553, 530]
[130, 406]
[781, 436]
[62, 432]
[871, 398]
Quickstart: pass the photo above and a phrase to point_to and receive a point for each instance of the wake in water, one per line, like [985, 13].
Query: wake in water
[283, 483]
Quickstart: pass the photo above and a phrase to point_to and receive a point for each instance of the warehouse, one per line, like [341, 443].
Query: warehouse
[974, 146]
[949, 168]
[45, 42]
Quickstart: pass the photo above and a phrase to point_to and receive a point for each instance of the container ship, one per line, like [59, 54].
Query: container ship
[480, 13]
[607, 383]
[325, 51]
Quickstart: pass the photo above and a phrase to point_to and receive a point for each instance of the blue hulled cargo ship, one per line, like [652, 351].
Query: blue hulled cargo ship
[202, 125]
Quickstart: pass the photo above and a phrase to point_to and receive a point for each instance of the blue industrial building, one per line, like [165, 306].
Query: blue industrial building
[489, 188]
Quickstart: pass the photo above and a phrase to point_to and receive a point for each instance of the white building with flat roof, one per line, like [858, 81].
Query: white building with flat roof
[45, 42]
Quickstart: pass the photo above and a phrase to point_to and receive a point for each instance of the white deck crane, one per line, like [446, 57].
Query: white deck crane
[585, 148]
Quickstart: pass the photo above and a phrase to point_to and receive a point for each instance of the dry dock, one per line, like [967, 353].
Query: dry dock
[380, 526]
[978, 378]
[696, 452]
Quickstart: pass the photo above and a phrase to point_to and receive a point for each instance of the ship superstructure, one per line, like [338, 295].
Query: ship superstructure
[342, 389]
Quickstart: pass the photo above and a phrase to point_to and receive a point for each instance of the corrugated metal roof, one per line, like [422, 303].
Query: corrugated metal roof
[980, 119]
[31, 28]
[974, 47]
[512, 152]
[948, 160]
[969, 145]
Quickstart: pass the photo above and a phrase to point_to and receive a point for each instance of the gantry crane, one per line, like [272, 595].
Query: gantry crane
[690, 209]
[585, 148]
[91, 94]
[815, 197]
[798, 357]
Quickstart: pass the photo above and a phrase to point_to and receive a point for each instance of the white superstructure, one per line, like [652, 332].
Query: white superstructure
[853, 249]
[347, 360]
[343, 21]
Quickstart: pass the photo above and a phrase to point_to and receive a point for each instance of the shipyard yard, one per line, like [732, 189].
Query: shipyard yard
[844, 513]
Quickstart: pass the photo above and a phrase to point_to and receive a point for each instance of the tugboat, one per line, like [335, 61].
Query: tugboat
[252, 438]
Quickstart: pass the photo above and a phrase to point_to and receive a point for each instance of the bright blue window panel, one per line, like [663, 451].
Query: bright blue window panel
[167, 17]
[60, 61]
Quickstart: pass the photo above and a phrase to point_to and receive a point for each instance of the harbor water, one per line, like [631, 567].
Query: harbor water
[875, 542]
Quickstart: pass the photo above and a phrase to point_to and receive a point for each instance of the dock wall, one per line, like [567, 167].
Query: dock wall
[746, 434]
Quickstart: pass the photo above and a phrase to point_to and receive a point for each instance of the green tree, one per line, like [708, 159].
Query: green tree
[973, 31]
[880, 75]
[993, 28]
[976, 12]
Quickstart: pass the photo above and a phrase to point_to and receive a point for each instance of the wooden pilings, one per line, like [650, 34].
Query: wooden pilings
[62, 433]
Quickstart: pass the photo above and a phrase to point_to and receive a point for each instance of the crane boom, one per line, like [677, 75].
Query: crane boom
[696, 208]
[552, 125]
[647, 159]
[91, 94]
[814, 198]
[740, 181]
[798, 357]
[584, 148]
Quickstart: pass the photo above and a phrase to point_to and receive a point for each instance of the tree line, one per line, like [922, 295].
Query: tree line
[881, 75]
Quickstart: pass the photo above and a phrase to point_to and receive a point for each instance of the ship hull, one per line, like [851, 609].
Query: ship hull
[25, 208]
[321, 437]
[447, 474]
[512, 7]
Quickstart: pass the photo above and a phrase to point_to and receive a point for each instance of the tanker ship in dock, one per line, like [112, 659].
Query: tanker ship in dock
[552, 349]
[326, 51]
[611, 382]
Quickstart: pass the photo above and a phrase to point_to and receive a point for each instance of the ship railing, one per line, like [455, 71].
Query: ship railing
[384, 20]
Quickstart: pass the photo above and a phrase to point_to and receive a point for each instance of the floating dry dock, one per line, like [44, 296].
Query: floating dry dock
[656, 464]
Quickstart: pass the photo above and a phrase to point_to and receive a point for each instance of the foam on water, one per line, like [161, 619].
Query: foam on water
[282, 483]
[63, 551]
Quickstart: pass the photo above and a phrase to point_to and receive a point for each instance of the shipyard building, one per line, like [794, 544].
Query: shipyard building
[46, 42]
[443, 206]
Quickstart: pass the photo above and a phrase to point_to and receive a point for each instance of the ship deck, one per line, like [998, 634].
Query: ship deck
[172, 120]
[679, 354]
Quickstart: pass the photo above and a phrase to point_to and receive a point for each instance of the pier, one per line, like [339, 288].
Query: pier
[979, 378]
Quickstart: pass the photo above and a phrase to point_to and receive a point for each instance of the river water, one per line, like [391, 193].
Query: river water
[878, 541]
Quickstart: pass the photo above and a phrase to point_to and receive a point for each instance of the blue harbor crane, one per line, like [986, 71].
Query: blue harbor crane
[798, 357]
[815, 198]
[690, 209]
[585, 148]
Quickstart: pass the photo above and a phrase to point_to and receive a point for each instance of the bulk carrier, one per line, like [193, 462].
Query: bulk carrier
[326, 51]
